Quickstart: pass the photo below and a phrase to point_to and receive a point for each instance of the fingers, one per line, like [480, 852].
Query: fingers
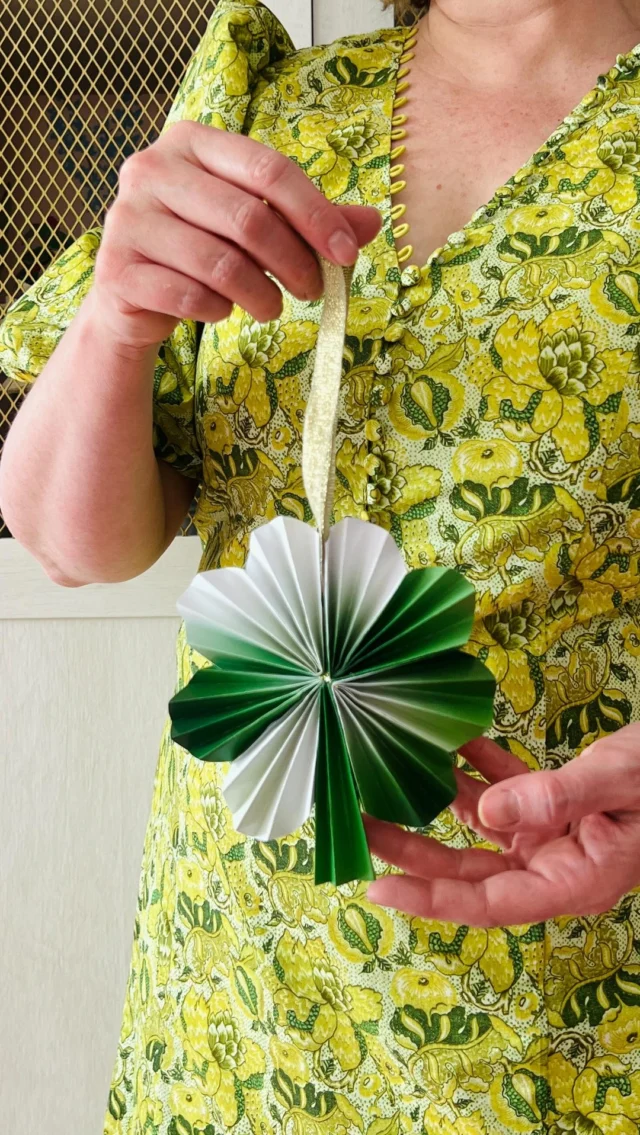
[509, 898]
[364, 220]
[156, 289]
[218, 265]
[204, 217]
[485, 888]
[495, 765]
[604, 778]
[211, 206]
[465, 808]
[474, 886]
[420, 855]
[492, 761]
[269, 175]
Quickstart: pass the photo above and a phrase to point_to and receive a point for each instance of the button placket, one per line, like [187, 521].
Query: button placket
[381, 461]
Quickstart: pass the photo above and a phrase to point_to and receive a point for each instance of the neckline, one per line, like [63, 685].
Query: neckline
[405, 38]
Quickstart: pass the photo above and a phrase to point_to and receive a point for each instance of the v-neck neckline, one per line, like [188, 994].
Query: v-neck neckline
[576, 117]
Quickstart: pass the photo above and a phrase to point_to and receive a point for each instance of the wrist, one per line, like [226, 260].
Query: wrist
[100, 324]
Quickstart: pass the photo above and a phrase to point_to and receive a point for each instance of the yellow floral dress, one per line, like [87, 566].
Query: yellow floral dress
[490, 421]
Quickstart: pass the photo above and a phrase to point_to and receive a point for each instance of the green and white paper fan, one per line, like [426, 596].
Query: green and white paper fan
[349, 694]
[337, 679]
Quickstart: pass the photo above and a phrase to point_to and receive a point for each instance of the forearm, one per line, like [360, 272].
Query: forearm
[80, 486]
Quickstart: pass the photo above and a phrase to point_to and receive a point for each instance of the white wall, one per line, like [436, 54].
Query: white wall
[82, 708]
[79, 737]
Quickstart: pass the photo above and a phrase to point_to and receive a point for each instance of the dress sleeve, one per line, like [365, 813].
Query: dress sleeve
[242, 38]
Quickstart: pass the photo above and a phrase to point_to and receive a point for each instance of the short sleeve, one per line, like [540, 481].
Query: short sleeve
[242, 38]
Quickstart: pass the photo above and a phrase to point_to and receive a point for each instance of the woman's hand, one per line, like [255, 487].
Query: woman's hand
[570, 840]
[189, 234]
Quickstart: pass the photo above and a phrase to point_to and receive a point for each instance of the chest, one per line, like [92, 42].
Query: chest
[459, 150]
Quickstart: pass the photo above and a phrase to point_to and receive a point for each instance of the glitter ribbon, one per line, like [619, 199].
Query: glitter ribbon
[321, 418]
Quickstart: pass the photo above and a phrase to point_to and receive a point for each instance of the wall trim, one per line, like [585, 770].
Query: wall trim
[26, 592]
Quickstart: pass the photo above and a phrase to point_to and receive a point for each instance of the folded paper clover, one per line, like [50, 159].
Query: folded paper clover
[337, 682]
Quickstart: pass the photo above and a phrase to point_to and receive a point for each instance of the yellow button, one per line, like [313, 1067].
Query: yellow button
[364, 515]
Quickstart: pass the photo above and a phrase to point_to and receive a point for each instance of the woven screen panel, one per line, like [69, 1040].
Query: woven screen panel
[83, 84]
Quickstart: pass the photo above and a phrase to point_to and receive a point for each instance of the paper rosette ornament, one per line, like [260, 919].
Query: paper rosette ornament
[337, 680]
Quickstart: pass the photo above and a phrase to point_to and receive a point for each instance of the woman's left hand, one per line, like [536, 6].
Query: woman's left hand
[570, 840]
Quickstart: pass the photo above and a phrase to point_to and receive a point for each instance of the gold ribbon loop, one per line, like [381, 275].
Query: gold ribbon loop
[321, 417]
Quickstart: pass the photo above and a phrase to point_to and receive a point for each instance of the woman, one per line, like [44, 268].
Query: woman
[490, 420]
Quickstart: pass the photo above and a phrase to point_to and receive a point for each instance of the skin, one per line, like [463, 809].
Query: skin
[575, 848]
[489, 82]
[200, 218]
[569, 839]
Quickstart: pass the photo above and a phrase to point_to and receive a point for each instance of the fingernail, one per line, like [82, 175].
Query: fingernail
[343, 247]
[501, 810]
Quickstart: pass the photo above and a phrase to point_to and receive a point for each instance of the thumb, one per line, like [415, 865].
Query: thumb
[604, 778]
[365, 221]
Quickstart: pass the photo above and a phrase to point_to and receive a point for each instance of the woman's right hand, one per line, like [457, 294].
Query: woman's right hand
[189, 234]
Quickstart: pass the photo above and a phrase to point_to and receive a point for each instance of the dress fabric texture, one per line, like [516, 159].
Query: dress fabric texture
[490, 421]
